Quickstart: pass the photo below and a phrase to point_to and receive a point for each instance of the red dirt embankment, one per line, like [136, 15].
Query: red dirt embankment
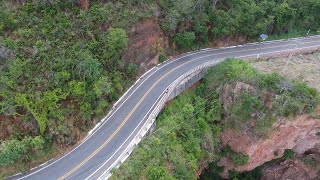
[146, 42]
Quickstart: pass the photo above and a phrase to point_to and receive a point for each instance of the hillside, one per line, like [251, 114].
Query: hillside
[63, 64]
[222, 122]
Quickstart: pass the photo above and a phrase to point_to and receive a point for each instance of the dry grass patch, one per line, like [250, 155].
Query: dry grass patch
[305, 68]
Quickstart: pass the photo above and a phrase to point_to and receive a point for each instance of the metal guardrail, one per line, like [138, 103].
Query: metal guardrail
[151, 118]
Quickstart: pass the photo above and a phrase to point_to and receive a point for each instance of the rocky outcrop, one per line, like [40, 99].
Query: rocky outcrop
[291, 169]
[146, 42]
[231, 92]
[300, 135]
[300, 167]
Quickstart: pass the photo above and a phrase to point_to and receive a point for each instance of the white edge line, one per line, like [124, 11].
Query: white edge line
[165, 91]
[129, 135]
[107, 117]
[288, 50]
[152, 108]
[112, 165]
[283, 40]
[157, 102]
[95, 129]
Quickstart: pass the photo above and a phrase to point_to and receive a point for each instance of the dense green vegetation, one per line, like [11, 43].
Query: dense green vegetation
[213, 19]
[295, 97]
[188, 131]
[14, 149]
[68, 67]
[67, 70]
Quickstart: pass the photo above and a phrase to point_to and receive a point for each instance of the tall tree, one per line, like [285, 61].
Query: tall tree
[117, 42]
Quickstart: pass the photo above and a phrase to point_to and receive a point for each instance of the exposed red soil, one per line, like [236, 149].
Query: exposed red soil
[299, 135]
[146, 42]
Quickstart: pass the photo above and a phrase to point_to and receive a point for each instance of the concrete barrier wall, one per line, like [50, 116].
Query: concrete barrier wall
[187, 83]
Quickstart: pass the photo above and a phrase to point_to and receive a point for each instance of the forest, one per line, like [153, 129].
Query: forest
[64, 66]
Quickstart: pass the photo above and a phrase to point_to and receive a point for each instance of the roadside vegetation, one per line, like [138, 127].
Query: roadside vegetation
[188, 130]
[67, 69]
[194, 24]
[66, 73]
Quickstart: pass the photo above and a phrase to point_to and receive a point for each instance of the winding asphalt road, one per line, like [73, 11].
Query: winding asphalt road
[99, 150]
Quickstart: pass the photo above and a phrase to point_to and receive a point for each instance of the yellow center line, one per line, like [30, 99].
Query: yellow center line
[144, 96]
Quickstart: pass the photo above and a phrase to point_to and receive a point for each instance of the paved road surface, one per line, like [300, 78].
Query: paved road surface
[91, 158]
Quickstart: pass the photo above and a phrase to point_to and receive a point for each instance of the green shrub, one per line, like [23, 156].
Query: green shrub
[9, 43]
[288, 154]
[229, 70]
[251, 175]
[38, 143]
[131, 70]
[185, 40]
[6, 21]
[272, 82]
[1, 29]
[213, 172]
[103, 87]
[245, 106]
[12, 150]
[77, 89]
[117, 42]
[102, 108]
[157, 173]
[240, 159]
[202, 34]
[162, 58]
[264, 124]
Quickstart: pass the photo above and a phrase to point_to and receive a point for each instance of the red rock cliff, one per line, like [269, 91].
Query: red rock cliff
[300, 135]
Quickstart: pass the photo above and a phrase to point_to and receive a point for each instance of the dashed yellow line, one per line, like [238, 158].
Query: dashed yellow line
[143, 97]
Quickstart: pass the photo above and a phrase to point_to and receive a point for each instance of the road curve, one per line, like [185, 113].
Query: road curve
[101, 148]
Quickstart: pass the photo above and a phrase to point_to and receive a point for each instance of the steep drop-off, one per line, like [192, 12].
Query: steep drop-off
[228, 120]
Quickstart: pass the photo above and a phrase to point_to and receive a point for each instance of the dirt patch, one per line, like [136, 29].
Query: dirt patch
[300, 168]
[11, 126]
[84, 4]
[146, 42]
[229, 41]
